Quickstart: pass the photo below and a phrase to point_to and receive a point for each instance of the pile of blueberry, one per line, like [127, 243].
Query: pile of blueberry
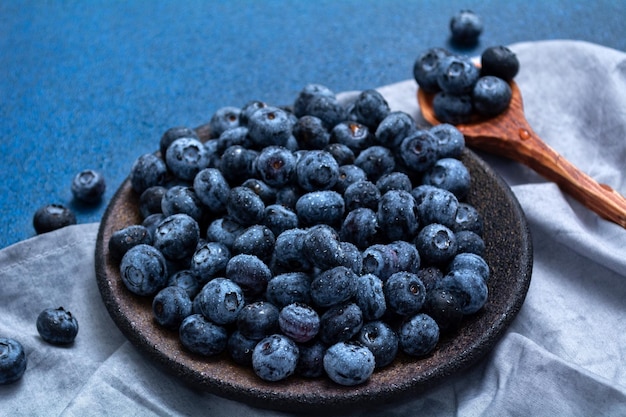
[463, 90]
[318, 238]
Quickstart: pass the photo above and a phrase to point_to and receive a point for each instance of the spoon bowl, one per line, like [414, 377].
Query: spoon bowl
[510, 135]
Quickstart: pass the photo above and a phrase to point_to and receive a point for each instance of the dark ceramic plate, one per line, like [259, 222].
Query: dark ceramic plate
[508, 252]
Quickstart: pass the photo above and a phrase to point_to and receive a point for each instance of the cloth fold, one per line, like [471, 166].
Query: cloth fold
[562, 355]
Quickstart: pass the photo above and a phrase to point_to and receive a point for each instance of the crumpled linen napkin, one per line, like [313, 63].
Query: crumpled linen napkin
[564, 354]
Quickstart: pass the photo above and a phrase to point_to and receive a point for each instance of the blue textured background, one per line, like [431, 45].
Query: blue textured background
[94, 84]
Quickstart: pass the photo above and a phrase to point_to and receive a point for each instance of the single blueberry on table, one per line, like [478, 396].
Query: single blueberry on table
[275, 358]
[57, 326]
[201, 336]
[221, 300]
[450, 174]
[143, 270]
[349, 363]
[173, 133]
[150, 200]
[124, 239]
[311, 359]
[258, 319]
[298, 321]
[170, 306]
[13, 360]
[177, 236]
[147, 171]
[212, 189]
[500, 62]
[209, 261]
[185, 157]
[225, 118]
[333, 286]
[52, 217]
[381, 340]
[289, 287]
[426, 68]
[340, 323]
[405, 293]
[491, 95]
[418, 335]
[370, 297]
[249, 272]
[466, 27]
[88, 186]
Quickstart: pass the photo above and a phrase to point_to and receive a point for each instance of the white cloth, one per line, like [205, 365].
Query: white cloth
[563, 355]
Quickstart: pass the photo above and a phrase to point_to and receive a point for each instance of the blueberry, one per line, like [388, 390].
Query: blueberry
[187, 280]
[499, 61]
[354, 135]
[260, 188]
[240, 348]
[276, 165]
[257, 240]
[221, 300]
[326, 207]
[444, 308]
[258, 319]
[143, 270]
[249, 272]
[333, 286]
[468, 218]
[57, 326]
[212, 189]
[299, 321]
[124, 239]
[173, 133]
[370, 297]
[275, 358]
[470, 242]
[466, 27]
[381, 340]
[223, 119]
[360, 227]
[326, 108]
[453, 108]
[418, 335]
[436, 243]
[450, 141]
[348, 175]
[317, 170]
[419, 150]
[370, 108]
[245, 206]
[288, 196]
[470, 261]
[380, 260]
[270, 126]
[279, 218]
[362, 194]
[450, 174]
[376, 161]
[310, 133]
[457, 75]
[405, 293]
[288, 251]
[351, 257]
[426, 68]
[52, 217]
[152, 222]
[321, 246]
[201, 336]
[311, 359]
[209, 260]
[238, 164]
[289, 287]
[341, 153]
[148, 170]
[237, 136]
[88, 186]
[13, 360]
[394, 128]
[491, 95]
[349, 363]
[397, 215]
[150, 200]
[406, 255]
[394, 181]
[170, 306]
[340, 323]
[307, 94]
[176, 237]
[430, 276]
[468, 286]
[185, 157]
[224, 230]
[249, 109]
[181, 199]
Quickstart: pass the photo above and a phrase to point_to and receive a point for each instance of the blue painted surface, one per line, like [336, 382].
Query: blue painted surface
[94, 84]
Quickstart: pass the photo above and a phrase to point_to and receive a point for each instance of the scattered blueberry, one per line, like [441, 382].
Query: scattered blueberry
[52, 217]
[57, 326]
[88, 186]
[13, 360]
[466, 27]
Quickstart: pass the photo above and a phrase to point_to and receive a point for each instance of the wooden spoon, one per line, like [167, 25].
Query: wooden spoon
[510, 135]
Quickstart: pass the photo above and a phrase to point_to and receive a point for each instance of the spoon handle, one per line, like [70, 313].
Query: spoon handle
[525, 146]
